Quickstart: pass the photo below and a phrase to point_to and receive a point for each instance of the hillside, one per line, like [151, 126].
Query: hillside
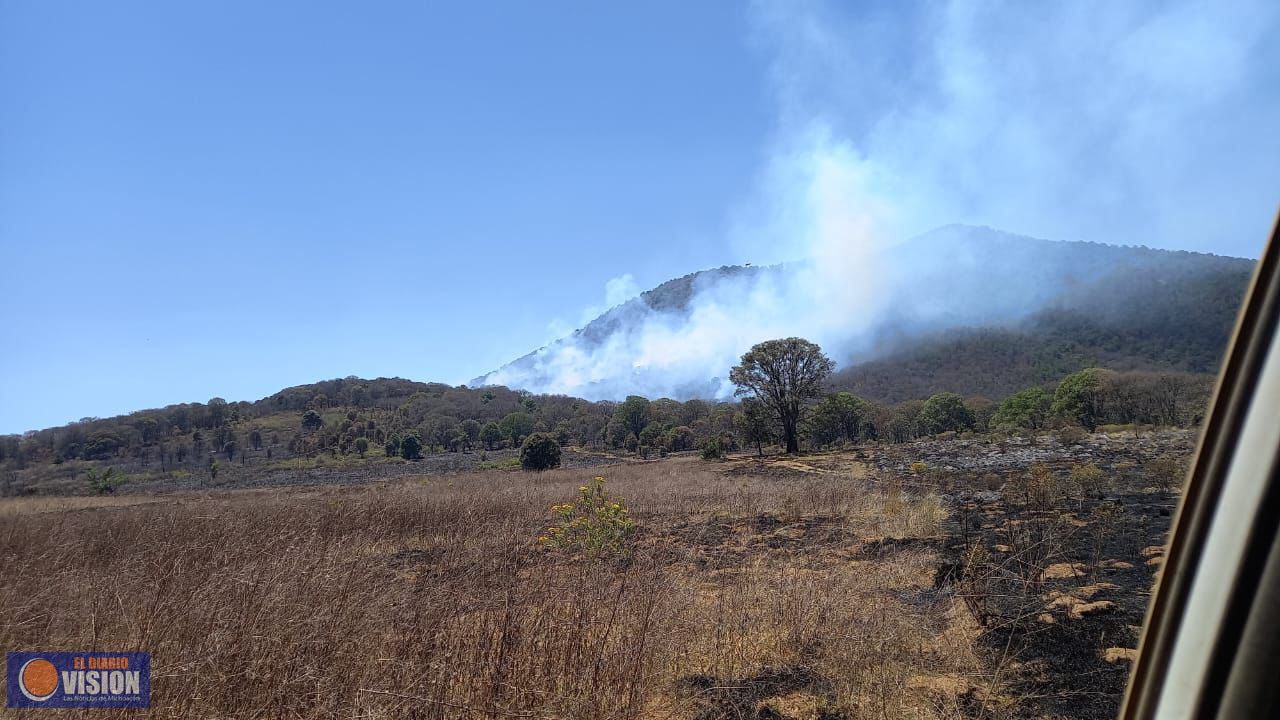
[673, 298]
[1141, 321]
[964, 308]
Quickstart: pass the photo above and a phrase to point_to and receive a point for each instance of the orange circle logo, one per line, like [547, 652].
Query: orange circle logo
[38, 679]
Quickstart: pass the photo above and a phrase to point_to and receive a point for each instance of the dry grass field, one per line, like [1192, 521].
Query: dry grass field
[975, 578]
[746, 595]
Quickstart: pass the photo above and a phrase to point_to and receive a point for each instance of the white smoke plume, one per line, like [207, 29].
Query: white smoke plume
[1112, 122]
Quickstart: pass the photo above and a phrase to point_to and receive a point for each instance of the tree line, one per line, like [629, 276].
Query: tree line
[784, 399]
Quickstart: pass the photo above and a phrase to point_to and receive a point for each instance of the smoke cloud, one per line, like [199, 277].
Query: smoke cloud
[1120, 123]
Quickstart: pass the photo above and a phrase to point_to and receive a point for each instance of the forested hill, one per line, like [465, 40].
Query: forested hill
[978, 310]
[1177, 315]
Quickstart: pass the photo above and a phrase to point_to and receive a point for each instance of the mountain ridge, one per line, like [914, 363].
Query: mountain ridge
[961, 277]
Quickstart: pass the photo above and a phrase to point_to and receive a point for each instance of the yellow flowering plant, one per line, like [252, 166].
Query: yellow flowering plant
[594, 523]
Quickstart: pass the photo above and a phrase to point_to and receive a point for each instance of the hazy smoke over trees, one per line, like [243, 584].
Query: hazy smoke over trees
[1119, 123]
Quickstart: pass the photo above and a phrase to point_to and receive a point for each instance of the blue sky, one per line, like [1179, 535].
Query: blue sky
[202, 199]
[222, 199]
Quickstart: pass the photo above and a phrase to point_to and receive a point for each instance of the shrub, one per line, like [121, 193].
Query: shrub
[595, 524]
[540, 451]
[1166, 472]
[1041, 487]
[711, 450]
[918, 467]
[102, 481]
[1089, 478]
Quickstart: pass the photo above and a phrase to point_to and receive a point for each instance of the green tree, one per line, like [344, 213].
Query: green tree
[944, 412]
[490, 435]
[311, 421]
[681, 438]
[1027, 408]
[633, 415]
[1081, 397]
[754, 424]
[540, 451]
[516, 427]
[411, 447]
[102, 444]
[443, 432]
[148, 429]
[563, 432]
[784, 375]
[217, 411]
[615, 433]
[651, 435]
[839, 417]
[470, 433]
[362, 446]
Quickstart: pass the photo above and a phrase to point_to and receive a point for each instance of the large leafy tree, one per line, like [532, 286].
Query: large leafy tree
[839, 417]
[490, 435]
[516, 426]
[411, 447]
[784, 375]
[1081, 396]
[1027, 408]
[470, 432]
[943, 412]
[633, 415]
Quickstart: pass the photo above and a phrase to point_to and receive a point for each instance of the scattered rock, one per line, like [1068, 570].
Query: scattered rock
[1046, 618]
[1058, 571]
[1061, 600]
[1088, 591]
[1152, 550]
[1119, 654]
[1094, 608]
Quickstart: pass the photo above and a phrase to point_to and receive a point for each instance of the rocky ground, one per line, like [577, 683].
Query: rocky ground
[1057, 563]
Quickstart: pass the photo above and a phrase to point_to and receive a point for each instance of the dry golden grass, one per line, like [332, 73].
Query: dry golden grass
[432, 599]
